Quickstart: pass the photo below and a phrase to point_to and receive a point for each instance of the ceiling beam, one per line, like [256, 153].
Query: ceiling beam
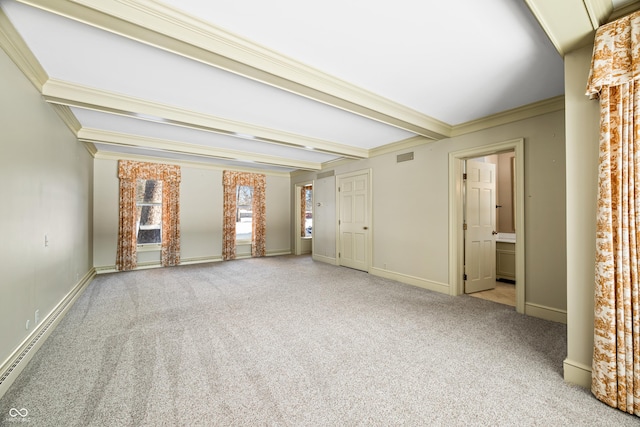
[570, 24]
[164, 27]
[65, 93]
[167, 146]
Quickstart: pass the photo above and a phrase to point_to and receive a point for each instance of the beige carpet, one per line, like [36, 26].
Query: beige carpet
[286, 341]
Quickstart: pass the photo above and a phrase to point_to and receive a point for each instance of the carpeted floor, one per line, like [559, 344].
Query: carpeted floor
[291, 342]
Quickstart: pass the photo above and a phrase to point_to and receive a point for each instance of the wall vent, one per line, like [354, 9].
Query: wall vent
[326, 174]
[404, 157]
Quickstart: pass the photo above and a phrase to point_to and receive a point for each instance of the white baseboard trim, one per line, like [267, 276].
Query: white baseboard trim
[325, 259]
[280, 252]
[200, 260]
[410, 280]
[185, 261]
[546, 313]
[105, 269]
[12, 367]
[577, 373]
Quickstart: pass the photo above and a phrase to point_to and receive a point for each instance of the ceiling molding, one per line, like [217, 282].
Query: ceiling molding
[186, 163]
[60, 92]
[91, 148]
[400, 145]
[162, 26]
[15, 47]
[162, 145]
[531, 110]
[599, 11]
[67, 117]
[624, 10]
[570, 24]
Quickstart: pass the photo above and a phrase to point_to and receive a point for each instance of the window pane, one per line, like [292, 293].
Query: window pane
[244, 212]
[149, 207]
[149, 224]
[308, 212]
[149, 191]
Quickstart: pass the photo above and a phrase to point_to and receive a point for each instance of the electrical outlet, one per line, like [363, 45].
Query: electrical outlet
[27, 325]
[36, 317]
[46, 241]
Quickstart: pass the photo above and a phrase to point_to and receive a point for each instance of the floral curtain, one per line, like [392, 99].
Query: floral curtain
[616, 356]
[303, 208]
[231, 180]
[129, 172]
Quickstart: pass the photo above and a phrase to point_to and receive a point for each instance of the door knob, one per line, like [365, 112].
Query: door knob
[494, 232]
[365, 228]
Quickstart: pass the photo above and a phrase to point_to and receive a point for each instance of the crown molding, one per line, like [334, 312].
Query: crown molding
[400, 145]
[91, 149]
[570, 24]
[162, 145]
[624, 10]
[332, 164]
[164, 27]
[521, 113]
[67, 117]
[599, 11]
[15, 47]
[60, 92]
[100, 155]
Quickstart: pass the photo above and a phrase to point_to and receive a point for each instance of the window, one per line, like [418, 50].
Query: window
[233, 196]
[308, 210]
[244, 212]
[149, 212]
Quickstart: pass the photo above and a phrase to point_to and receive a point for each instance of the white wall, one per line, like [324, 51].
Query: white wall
[46, 190]
[200, 215]
[411, 218]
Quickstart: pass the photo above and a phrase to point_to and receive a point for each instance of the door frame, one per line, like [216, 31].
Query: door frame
[456, 214]
[369, 248]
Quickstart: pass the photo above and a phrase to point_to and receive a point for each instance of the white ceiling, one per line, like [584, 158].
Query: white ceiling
[281, 85]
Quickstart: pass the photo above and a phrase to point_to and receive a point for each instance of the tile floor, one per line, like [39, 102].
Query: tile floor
[504, 293]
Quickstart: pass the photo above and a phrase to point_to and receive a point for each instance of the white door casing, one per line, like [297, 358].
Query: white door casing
[480, 234]
[354, 220]
[456, 239]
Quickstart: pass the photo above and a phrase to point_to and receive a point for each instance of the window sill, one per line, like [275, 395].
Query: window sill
[149, 247]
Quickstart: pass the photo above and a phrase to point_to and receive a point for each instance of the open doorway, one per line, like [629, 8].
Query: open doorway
[490, 234]
[304, 218]
[457, 163]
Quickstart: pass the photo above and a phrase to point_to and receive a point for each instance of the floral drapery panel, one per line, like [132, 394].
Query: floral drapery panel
[303, 208]
[615, 70]
[129, 172]
[231, 180]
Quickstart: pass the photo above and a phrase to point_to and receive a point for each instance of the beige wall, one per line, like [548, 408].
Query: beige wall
[411, 209]
[505, 193]
[46, 190]
[200, 215]
[582, 181]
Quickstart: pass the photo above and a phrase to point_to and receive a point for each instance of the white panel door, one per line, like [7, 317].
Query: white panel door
[480, 235]
[353, 222]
